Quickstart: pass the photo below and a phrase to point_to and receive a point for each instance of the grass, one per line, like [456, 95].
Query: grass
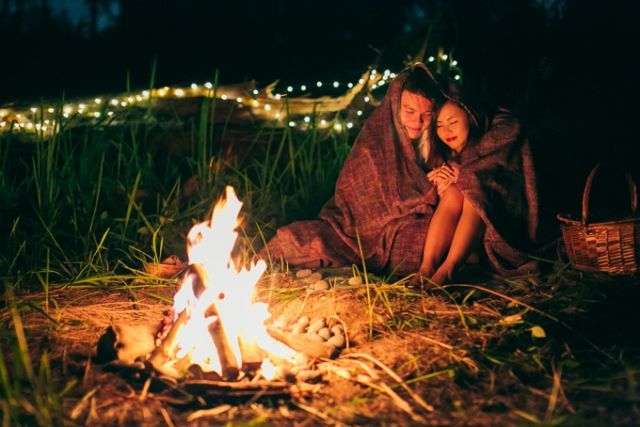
[84, 211]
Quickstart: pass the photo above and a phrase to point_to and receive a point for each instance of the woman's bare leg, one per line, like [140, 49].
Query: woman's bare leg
[466, 238]
[441, 230]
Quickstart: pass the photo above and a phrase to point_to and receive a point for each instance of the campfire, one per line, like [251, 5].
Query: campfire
[216, 332]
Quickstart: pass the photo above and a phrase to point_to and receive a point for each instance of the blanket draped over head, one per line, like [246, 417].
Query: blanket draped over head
[383, 201]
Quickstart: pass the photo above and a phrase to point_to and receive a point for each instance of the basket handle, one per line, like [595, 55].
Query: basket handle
[633, 194]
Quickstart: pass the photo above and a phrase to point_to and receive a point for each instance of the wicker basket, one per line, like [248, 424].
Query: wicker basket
[608, 246]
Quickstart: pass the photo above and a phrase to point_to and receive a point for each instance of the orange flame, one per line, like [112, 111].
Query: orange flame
[210, 244]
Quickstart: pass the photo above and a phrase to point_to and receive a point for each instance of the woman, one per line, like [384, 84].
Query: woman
[384, 202]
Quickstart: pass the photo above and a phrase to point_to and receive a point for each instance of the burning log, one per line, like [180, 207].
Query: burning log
[251, 355]
[166, 350]
[303, 344]
[227, 358]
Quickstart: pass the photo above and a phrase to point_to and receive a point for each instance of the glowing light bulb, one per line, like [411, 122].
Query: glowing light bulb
[65, 115]
[366, 99]
[114, 102]
[277, 115]
[96, 114]
[131, 98]
[457, 77]
[445, 56]
[393, 75]
[387, 72]
[349, 125]
[289, 88]
[336, 84]
[145, 93]
[162, 92]
[38, 126]
[194, 86]
[277, 96]
[82, 106]
[109, 113]
[373, 72]
[303, 87]
[255, 103]
[292, 124]
[319, 83]
[307, 119]
[46, 122]
[123, 104]
[33, 109]
[208, 85]
[323, 122]
[29, 125]
[223, 97]
[431, 59]
[337, 127]
[239, 100]
[138, 98]
[359, 113]
[255, 91]
[349, 85]
[267, 107]
[360, 81]
[454, 62]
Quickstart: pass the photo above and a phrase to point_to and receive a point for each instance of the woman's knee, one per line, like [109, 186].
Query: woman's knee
[452, 200]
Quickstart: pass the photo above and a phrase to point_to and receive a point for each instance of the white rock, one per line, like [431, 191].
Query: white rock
[337, 329]
[321, 285]
[315, 337]
[298, 329]
[304, 320]
[324, 333]
[314, 276]
[301, 274]
[336, 341]
[316, 326]
[355, 281]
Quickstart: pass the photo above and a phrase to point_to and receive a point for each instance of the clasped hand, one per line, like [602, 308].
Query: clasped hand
[442, 177]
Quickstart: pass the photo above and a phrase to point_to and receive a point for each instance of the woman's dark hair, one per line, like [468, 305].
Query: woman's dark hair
[418, 81]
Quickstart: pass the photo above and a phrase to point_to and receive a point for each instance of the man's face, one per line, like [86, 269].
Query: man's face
[415, 113]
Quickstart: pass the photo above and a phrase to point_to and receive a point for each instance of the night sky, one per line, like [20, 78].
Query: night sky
[563, 66]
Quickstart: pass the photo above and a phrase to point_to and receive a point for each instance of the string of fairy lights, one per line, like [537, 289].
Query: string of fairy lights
[269, 103]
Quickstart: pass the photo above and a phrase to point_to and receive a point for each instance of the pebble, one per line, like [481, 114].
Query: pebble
[314, 276]
[336, 341]
[324, 333]
[355, 281]
[298, 328]
[316, 325]
[301, 274]
[315, 337]
[321, 285]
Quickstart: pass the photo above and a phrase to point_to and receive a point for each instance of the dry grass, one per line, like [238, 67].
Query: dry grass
[463, 357]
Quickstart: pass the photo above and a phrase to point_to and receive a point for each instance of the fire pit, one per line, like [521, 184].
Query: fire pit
[217, 339]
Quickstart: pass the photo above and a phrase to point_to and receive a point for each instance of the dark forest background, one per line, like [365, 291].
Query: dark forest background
[566, 67]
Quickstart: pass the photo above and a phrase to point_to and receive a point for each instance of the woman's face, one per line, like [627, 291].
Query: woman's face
[415, 113]
[452, 126]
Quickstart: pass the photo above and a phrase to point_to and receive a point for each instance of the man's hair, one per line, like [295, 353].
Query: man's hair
[418, 81]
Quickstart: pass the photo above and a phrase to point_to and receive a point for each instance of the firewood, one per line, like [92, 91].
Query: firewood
[250, 354]
[303, 344]
[228, 363]
[166, 350]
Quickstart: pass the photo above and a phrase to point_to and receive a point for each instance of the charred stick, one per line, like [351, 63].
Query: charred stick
[165, 351]
[250, 354]
[227, 358]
